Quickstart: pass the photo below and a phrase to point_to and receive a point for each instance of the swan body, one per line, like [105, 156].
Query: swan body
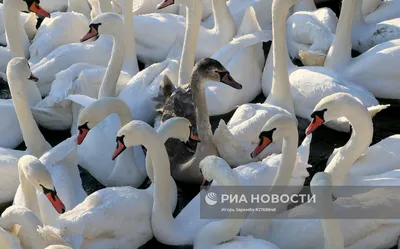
[310, 29]
[357, 150]
[386, 10]
[151, 50]
[62, 28]
[364, 70]
[243, 56]
[9, 240]
[222, 234]
[367, 35]
[109, 204]
[248, 119]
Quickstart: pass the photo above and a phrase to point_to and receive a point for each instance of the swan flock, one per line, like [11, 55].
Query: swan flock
[123, 119]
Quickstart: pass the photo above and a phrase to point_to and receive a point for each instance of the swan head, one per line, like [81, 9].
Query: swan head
[105, 24]
[209, 69]
[18, 68]
[27, 6]
[216, 168]
[276, 128]
[333, 107]
[96, 112]
[39, 177]
[140, 133]
[181, 128]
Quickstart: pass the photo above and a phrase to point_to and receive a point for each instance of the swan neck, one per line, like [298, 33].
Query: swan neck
[224, 22]
[14, 31]
[29, 196]
[34, 140]
[280, 89]
[130, 64]
[105, 6]
[358, 143]
[358, 15]
[288, 160]
[110, 80]
[193, 21]
[203, 125]
[29, 222]
[340, 51]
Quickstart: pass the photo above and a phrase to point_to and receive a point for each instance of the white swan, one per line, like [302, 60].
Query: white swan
[248, 119]
[367, 35]
[97, 138]
[110, 204]
[9, 240]
[300, 221]
[321, 188]
[222, 234]
[355, 163]
[19, 126]
[17, 39]
[364, 70]
[183, 228]
[312, 30]
[62, 28]
[380, 11]
[34, 176]
[151, 49]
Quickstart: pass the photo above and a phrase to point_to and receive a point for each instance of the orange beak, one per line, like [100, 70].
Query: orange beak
[194, 136]
[82, 134]
[120, 148]
[92, 33]
[56, 202]
[35, 7]
[315, 123]
[260, 147]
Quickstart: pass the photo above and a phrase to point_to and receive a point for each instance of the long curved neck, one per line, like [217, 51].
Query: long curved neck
[360, 140]
[105, 6]
[193, 20]
[332, 231]
[109, 84]
[14, 31]
[130, 64]
[224, 22]
[29, 222]
[280, 91]
[34, 140]
[203, 125]
[358, 15]
[28, 193]
[340, 51]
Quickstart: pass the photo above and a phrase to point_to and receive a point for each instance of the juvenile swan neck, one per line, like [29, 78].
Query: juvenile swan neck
[194, 11]
[203, 125]
[109, 84]
[340, 51]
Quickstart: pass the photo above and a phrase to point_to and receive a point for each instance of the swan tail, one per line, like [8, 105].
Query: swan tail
[229, 148]
[373, 110]
[304, 149]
